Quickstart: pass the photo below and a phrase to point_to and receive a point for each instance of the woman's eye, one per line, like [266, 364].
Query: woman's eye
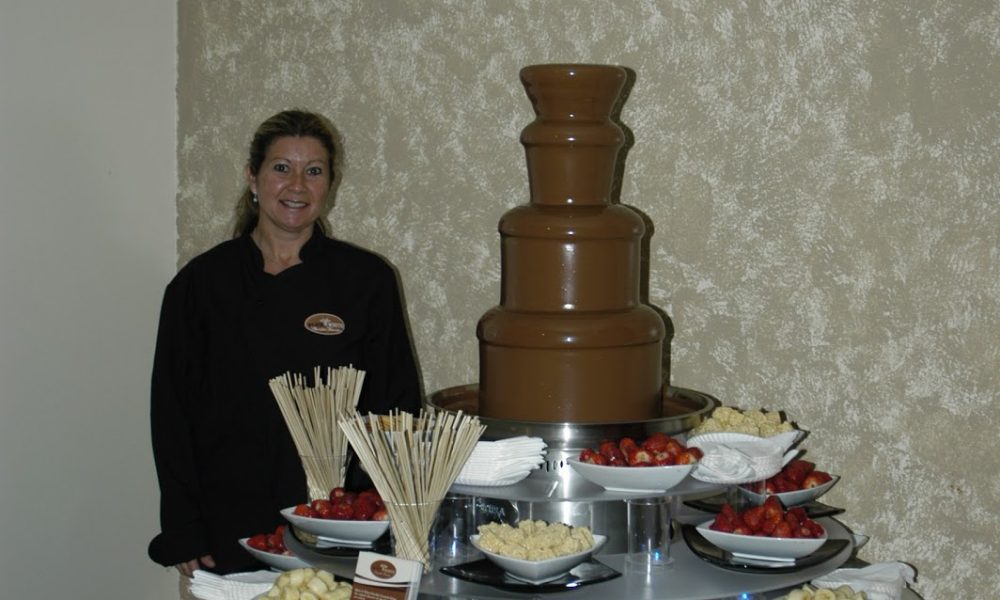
[314, 171]
[281, 168]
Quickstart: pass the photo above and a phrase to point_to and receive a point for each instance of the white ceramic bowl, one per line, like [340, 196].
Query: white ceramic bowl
[347, 531]
[284, 562]
[789, 499]
[539, 571]
[632, 479]
[762, 546]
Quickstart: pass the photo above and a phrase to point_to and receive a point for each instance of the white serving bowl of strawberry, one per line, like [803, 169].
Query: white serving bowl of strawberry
[799, 482]
[356, 518]
[336, 529]
[635, 479]
[765, 531]
[269, 548]
[657, 464]
[761, 546]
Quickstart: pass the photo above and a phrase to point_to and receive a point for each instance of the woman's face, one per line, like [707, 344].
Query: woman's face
[291, 185]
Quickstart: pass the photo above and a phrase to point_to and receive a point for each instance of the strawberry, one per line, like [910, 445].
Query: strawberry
[625, 444]
[687, 457]
[742, 530]
[772, 506]
[783, 530]
[276, 543]
[753, 517]
[637, 457]
[786, 485]
[728, 512]
[342, 512]
[591, 457]
[723, 526]
[304, 510]
[663, 459]
[796, 470]
[323, 508]
[799, 512]
[661, 442]
[768, 525]
[815, 529]
[258, 542]
[373, 494]
[363, 509]
[725, 521]
[814, 479]
[658, 441]
[611, 451]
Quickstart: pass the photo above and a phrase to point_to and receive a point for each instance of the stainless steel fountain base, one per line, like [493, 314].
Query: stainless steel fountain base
[556, 492]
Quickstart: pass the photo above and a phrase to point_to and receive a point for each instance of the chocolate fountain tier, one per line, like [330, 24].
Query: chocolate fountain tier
[563, 261]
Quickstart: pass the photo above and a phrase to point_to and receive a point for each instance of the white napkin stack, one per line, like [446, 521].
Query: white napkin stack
[237, 586]
[881, 581]
[502, 462]
[732, 459]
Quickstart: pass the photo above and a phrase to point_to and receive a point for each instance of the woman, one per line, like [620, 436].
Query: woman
[281, 296]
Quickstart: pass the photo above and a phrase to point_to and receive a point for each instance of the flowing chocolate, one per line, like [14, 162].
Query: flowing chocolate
[571, 340]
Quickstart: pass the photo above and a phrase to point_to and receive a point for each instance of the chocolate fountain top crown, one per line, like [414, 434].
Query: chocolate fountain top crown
[572, 145]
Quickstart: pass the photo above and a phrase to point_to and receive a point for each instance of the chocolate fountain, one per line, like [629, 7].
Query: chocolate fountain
[571, 354]
[570, 340]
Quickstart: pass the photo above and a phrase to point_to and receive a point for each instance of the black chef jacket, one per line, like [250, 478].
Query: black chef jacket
[225, 461]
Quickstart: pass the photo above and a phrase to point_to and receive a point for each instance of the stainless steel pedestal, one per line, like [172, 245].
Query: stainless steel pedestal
[556, 492]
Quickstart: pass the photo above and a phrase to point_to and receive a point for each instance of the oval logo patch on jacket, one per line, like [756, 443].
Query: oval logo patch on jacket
[324, 324]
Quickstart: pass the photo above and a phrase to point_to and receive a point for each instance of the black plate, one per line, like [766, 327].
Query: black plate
[488, 573]
[814, 509]
[711, 553]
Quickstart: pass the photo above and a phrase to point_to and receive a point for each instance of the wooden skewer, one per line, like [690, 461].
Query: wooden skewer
[312, 414]
[413, 463]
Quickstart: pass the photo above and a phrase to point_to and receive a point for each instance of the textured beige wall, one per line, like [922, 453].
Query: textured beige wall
[821, 176]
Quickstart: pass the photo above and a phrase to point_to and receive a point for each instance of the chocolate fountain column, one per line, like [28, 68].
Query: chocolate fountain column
[570, 340]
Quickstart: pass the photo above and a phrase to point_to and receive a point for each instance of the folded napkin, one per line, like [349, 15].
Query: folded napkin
[722, 464]
[741, 459]
[237, 586]
[502, 462]
[881, 581]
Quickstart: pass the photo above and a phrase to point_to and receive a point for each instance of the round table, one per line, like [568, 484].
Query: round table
[689, 578]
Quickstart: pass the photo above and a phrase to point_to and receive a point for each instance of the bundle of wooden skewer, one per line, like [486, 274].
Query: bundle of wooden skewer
[413, 462]
[313, 413]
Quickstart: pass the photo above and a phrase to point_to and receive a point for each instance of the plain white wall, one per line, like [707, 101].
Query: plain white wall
[87, 243]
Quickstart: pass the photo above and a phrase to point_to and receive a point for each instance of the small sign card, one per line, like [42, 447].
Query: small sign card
[382, 577]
